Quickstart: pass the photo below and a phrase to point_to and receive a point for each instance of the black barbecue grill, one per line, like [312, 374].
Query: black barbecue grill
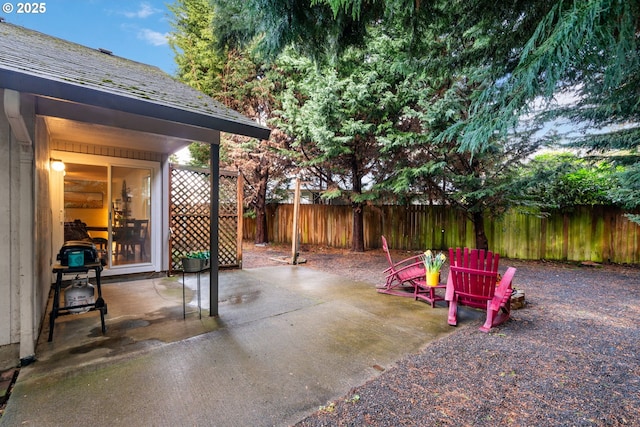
[77, 253]
[76, 256]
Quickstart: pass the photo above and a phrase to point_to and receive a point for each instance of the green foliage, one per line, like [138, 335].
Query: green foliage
[634, 218]
[439, 166]
[193, 43]
[627, 193]
[200, 154]
[428, 98]
[328, 408]
[174, 159]
[249, 213]
[353, 399]
[342, 116]
[433, 262]
[531, 49]
[564, 181]
[382, 111]
[203, 254]
[311, 27]
[199, 66]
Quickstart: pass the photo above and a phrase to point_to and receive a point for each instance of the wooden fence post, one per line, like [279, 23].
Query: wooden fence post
[295, 233]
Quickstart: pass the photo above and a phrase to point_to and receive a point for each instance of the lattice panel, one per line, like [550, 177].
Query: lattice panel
[228, 250]
[228, 226]
[228, 195]
[189, 212]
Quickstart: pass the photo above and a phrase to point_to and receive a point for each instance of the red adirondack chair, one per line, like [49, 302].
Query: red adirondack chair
[402, 277]
[473, 281]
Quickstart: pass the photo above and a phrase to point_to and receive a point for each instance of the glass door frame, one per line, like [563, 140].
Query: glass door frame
[130, 220]
[155, 206]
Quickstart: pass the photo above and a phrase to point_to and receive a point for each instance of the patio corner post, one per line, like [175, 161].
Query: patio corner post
[213, 227]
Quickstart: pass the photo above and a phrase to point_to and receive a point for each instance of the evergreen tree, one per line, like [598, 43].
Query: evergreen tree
[385, 111]
[312, 28]
[585, 48]
[247, 87]
[532, 51]
[232, 76]
[193, 43]
[341, 116]
[436, 160]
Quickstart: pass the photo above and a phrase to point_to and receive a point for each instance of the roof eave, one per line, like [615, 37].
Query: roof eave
[24, 82]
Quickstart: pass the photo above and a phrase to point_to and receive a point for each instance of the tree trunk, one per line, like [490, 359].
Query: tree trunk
[357, 241]
[262, 235]
[261, 227]
[357, 238]
[481, 237]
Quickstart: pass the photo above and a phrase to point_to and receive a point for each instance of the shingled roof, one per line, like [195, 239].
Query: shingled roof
[36, 63]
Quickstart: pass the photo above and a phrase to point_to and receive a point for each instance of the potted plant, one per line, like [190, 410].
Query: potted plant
[196, 261]
[433, 264]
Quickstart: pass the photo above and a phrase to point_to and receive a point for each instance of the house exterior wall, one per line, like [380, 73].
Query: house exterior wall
[21, 292]
[9, 314]
[43, 251]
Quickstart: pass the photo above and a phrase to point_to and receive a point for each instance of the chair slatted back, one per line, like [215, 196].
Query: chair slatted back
[385, 248]
[408, 269]
[475, 275]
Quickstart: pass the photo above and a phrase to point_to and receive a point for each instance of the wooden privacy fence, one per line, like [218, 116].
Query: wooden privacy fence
[599, 234]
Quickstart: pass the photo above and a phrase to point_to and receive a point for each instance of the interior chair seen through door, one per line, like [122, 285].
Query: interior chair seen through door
[131, 236]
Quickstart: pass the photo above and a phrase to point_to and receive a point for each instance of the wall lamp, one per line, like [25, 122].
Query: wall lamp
[56, 164]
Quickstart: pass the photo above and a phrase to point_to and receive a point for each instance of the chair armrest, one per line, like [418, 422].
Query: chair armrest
[448, 294]
[503, 290]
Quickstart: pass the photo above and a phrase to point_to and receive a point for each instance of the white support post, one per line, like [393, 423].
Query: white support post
[24, 222]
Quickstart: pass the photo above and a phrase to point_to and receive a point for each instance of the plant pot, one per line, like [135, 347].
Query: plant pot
[193, 265]
[433, 278]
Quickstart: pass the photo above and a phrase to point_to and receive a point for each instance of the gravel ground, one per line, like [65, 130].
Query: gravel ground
[569, 358]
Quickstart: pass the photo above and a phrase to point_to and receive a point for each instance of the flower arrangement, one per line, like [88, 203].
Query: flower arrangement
[433, 262]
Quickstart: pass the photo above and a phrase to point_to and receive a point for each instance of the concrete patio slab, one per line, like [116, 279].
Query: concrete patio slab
[288, 340]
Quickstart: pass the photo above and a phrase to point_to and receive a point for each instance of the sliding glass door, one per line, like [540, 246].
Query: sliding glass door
[130, 215]
[86, 207]
[111, 204]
